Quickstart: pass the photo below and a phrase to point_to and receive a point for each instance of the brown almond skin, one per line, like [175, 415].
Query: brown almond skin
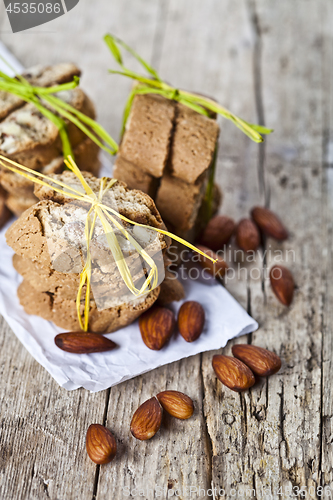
[156, 327]
[218, 232]
[83, 342]
[147, 420]
[191, 320]
[176, 404]
[247, 235]
[269, 223]
[233, 373]
[100, 444]
[283, 284]
[217, 269]
[261, 361]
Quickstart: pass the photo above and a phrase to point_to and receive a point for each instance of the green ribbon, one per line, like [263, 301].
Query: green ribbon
[153, 84]
[57, 111]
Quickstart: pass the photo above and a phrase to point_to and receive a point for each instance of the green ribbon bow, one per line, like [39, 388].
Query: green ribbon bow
[153, 84]
[56, 110]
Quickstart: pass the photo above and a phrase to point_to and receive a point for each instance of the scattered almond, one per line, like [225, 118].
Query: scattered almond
[283, 285]
[176, 404]
[218, 232]
[100, 444]
[147, 420]
[233, 373]
[261, 361]
[191, 320]
[247, 235]
[156, 327]
[269, 223]
[83, 342]
[217, 269]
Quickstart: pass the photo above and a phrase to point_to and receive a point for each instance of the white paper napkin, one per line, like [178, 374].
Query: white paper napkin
[225, 319]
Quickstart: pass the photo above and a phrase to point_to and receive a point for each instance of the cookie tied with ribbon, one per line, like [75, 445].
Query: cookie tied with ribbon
[153, 84]
[129, 252]
[48, 101]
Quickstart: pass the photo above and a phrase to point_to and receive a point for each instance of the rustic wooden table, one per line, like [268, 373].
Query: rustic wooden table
[269, 62]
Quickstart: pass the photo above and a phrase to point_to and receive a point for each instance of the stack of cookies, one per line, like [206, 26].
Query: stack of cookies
[29, 138]
[167, 151]
[50, 252]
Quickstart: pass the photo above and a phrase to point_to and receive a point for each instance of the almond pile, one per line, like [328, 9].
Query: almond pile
[158, 324]
[101, 445]
[248, 234]
[147, 419]
[238, 373]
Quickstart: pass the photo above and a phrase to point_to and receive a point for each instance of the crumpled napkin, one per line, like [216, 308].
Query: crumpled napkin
[225, 319]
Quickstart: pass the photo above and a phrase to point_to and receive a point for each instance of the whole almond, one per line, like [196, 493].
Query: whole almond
[156, 327]
[233, 373]
[218, 232]
[83, 342]
[100, 444]
[216, 269]
[261, 361]
[147, 420]
[269, 223]
[176, 404]
[191, 320]
[247, 235]
[283, 285]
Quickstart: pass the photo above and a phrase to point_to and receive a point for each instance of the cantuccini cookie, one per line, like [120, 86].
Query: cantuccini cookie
[178, 202]
[28, 137]
[39, 76]
[63, 312]
[50, 243]
[148, 132]
[134, 177]
[170, 160]
[193, 144]
[86, 158]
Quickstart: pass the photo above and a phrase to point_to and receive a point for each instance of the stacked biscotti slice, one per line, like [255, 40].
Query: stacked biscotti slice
[49, 244]
[29, 138]
[167, 151]
[5, 213]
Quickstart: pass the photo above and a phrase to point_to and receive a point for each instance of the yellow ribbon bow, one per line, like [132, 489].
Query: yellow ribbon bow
[106, 215]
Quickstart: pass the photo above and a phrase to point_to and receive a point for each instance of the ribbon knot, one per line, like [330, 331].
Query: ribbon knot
[174, 95]
[108, 218]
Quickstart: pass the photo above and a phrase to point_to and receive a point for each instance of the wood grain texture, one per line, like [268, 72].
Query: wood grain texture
[269, 63]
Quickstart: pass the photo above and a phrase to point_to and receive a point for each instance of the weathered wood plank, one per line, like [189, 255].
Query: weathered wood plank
[237, 187]
[327, 253]
[177, 457]
[43, 426]
[279, 433]
[293, 398]
[78, 37]
[272, 433]
[42, 436]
